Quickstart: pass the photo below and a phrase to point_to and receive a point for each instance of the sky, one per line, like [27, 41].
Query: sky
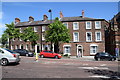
[22, 10]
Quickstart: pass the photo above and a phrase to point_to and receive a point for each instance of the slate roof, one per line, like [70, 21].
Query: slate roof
[64, 19]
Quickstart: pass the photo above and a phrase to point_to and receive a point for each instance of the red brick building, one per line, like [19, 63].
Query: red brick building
[87, 35]
[113, 35]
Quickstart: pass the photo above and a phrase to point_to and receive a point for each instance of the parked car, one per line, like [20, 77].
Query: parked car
[7, 56]
[24, 52]
[104, 56]
[50, 54]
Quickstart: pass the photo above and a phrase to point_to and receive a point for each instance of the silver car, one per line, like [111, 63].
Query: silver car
[7, 56]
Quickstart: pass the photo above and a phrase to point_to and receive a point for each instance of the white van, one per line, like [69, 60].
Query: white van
[7, 56]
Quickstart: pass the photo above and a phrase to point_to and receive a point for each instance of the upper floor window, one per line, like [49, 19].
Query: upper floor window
[97, 24]
[76, 36]
[20, 30]
[88, 25]
[98, 36]
[35, 29]
[43, 28]
[43, 36]
[66, 24]
[75, 25]
[88, 36]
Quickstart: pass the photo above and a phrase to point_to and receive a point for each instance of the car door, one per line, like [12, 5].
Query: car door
[51, 54]
[1, 54]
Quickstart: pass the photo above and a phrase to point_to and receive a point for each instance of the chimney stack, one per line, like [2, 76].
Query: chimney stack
[61, 15]
[17, 20]
[83, 14]
[45, 17]
[31, 19]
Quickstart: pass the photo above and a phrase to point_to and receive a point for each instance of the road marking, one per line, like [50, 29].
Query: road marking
[99, 76]
[93, 67]
[103, 65]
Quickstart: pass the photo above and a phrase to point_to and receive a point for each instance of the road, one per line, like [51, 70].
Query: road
[60, 68]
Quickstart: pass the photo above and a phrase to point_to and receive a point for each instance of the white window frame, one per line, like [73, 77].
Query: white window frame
[77, 26]
[74, 37]
[27, 45]
[87, 37]
[20, 30]
[35, 29]
[43, 36]
[96, 36]
[64, 49]
[87, 25]
[66, 24]
[43, 28]
[99, 25]
[91, 52]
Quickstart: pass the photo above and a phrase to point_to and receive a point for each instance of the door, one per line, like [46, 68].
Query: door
[79, 51]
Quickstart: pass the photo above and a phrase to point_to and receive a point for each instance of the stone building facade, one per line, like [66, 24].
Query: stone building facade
[87, 35]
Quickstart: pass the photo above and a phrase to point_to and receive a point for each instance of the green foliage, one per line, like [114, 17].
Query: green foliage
[29, 34]
[4, 39]
[57, 32]
[11, 31]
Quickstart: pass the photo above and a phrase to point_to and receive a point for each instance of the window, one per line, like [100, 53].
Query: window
[35, 29]
[13, 39]
[66, 24]
[98, 36]
[27, 46]
[97, 25]
[20, 30]
[43, 36]
[88, 25]
[76, 36]
[67, 49]
[20, 39]
[17, 47]
[93, 49]
[88, 36]
[75, 26]
[43, 28]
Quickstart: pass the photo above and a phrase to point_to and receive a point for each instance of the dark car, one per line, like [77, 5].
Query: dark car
[104, 56]
[24, 52]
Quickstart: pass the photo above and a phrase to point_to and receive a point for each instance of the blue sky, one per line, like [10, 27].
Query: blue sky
[22, 10]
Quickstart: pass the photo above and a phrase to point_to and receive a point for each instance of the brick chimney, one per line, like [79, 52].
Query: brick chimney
[83, 14]
[45, 17]
[17, 20]
[61, 15]
[31, 19]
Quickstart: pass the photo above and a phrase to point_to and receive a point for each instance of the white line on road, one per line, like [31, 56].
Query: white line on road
[93, 67]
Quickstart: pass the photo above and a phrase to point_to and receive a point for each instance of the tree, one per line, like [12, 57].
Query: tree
[11, 32]
[57, 33]
[29, 35]
[4, 40]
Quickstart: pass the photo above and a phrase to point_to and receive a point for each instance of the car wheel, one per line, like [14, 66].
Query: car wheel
[42, 56]
[98, 59]
[112, 59]
[26, 55]
[56, 57]
[4, 62]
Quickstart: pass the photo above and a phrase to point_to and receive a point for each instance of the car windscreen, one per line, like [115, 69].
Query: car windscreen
[10, 51]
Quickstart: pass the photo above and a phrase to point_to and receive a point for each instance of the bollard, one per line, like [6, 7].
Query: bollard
[36, 57]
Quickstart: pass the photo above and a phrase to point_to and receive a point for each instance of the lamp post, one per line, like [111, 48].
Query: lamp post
[50, 11]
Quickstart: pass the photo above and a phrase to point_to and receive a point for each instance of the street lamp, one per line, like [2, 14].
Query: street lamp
[50, 11]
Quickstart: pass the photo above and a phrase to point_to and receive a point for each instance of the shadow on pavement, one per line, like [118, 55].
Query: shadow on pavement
[112, 74]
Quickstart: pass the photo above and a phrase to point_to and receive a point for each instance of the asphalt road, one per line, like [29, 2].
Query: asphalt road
[61, 68]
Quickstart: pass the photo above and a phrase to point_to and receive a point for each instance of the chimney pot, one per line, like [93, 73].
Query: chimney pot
[17, 20]
[61, 15]
[82, 13]
[31, 19]
[45, 17]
